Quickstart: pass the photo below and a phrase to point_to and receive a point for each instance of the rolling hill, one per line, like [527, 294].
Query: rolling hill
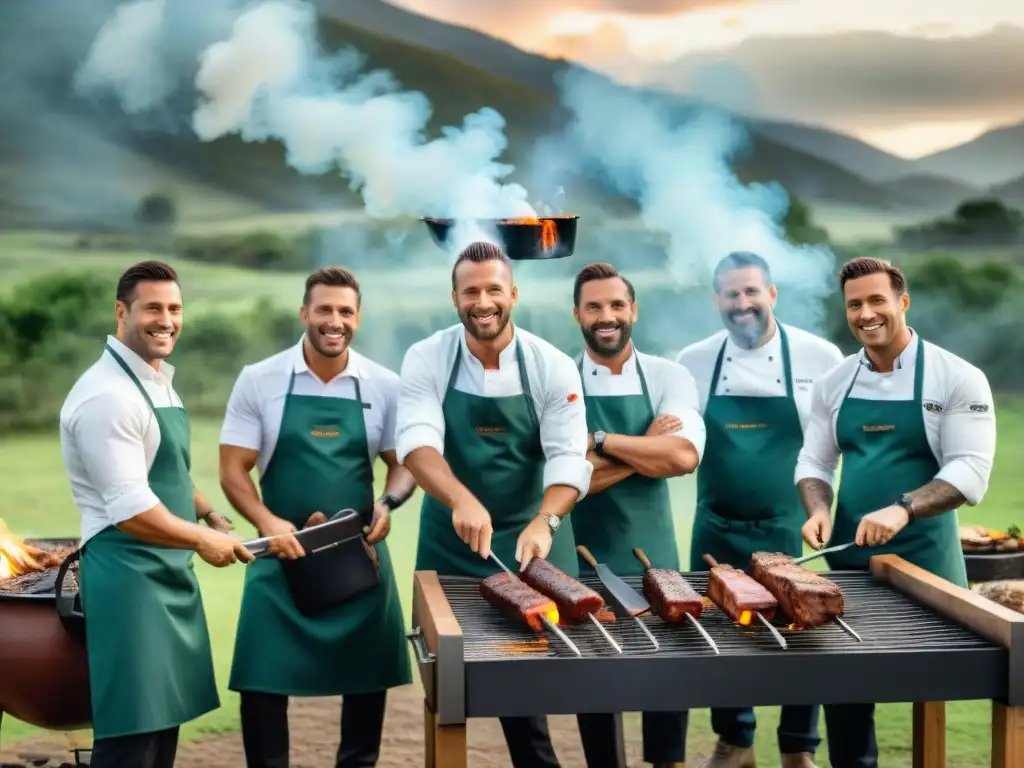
[1012, 192]
[994, 158]
[921, 190]
[96, 167]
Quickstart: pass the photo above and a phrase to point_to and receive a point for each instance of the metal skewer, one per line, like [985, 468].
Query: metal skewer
[603, 631]
[704, 632]
[657, 645]
[847, 629]
[546, 621]
[772, 629]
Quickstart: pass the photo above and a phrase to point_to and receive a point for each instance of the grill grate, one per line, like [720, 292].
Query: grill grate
[885, 619]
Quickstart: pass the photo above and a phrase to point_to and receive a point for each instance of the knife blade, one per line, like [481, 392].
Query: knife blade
[628, 599]
[823, 552]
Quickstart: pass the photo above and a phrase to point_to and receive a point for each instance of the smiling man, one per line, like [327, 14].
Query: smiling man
[642, 412]
[491, 423]
[916, 428]
[754, 379]
[127, 452]
[313, 419]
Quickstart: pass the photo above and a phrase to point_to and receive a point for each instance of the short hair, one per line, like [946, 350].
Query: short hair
[862, 266]
[741, 260]
[144, 272]
[600, 270]
[478, 253]
[335, 277]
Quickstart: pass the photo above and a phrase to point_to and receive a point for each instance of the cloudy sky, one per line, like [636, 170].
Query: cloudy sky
[910, 76]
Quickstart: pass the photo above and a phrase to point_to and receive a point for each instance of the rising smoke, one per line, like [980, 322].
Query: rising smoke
[267, 78]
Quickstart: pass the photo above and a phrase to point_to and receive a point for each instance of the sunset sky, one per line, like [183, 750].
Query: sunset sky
[910, 76]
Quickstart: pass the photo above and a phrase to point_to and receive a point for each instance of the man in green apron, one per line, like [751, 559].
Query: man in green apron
[313, 419]
[755, 381]
[126, 447]
[645, 427]
[491, 422]
[916, 429]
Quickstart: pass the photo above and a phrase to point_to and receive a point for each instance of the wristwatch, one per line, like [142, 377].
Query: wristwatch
[907, 502]
[389, 501]
[599, 438]
[553, 522]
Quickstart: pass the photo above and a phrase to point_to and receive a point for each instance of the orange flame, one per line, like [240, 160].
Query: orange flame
[15, 556]
[548, 231]
[745, 618]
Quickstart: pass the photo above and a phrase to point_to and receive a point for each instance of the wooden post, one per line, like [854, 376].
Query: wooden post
[929, 734]
[444, 745]
[1007, 736]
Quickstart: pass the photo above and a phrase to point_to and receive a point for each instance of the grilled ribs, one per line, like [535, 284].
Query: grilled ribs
[670, 595]
[574, 598]
[738, 595]
[808, 598]
[518, 600]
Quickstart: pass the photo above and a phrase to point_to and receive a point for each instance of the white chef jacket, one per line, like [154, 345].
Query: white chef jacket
[759, 372]
[109, 438]
[670, 386]
[256, 405]
[957, 408]
[554, 384]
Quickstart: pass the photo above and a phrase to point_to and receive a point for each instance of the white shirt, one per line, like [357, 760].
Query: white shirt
[759, 372]
[109, 438]
[554, 384]
[256, 405]
[670, 386]
[957, 408]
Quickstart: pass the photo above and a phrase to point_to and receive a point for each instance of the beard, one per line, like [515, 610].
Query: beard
[488, 330]
[747, 325]
[607, 346]
[328, 340]
[146, 344]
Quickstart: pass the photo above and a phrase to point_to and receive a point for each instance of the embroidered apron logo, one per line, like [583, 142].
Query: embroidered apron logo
[879, 427]
[755, 425]
[325, 430]
[490, 430]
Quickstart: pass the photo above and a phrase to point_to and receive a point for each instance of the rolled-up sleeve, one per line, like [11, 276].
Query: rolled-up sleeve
[109, 434]
[563, 427]
[967, 436]
[243, 425]
[419, 418]
[679, 398]
[819, 455]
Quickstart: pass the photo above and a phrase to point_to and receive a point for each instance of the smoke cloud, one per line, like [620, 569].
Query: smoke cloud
[677, 168]
[266, 78]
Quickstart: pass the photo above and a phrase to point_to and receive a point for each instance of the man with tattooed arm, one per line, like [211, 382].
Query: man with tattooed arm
[916, 428]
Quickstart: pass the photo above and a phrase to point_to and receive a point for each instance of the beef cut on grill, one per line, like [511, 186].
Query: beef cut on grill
[808, 598]
[670, 595]
[575, 600]
[738, 595]
[518, 600]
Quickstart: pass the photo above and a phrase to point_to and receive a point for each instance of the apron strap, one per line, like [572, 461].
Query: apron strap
[355, 382]
[639, 371]
[919, 371]
[787, 366]
[523, 378]
[718, 368]
[131, 374]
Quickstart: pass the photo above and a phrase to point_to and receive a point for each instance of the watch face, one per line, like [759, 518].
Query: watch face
[554, 522]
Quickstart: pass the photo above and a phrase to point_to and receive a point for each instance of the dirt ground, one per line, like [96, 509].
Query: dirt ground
[314, 738]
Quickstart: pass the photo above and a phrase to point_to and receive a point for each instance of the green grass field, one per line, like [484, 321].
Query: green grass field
[38, 503]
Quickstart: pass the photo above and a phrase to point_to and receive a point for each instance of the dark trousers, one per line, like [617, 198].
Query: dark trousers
[664, 738]
[798, 728]
[265, 730]
[529, 742]
[851, 735]
[143, 750]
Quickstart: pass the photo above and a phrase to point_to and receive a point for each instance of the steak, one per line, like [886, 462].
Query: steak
[574, 598]
[739, 596]
[808, 598]
[670, 595]
[518, 600]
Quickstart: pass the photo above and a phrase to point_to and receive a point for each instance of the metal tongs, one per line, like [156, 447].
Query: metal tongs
[547, 622]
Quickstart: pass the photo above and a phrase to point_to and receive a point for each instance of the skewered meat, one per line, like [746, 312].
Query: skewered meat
[808, 598]
[739, 595]
[670, 595]
[574, 598]
[518, 600]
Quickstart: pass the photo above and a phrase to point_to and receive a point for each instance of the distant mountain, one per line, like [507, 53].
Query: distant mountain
[993, 158]
[1012, 192]
[926, 191]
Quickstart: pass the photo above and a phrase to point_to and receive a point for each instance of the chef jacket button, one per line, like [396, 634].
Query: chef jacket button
[728, 359]
[778, 381]
[770, 358]
[728, 390]
[725, 378]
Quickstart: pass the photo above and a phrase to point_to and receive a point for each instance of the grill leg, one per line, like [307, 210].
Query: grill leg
[1007, 735]
[929, 734]
[444, 745]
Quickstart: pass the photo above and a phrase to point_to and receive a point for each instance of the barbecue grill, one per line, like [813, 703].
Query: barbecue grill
[44, 674]
[906, 623]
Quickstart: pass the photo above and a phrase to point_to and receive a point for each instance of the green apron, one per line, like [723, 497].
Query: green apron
[493, 447]
[150, 663]
[886, 454]
[635, 512]
[746, 499]
[321, 463]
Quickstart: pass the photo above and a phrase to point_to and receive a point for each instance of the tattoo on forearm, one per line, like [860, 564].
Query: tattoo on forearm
[936, 497]
[816, 495]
